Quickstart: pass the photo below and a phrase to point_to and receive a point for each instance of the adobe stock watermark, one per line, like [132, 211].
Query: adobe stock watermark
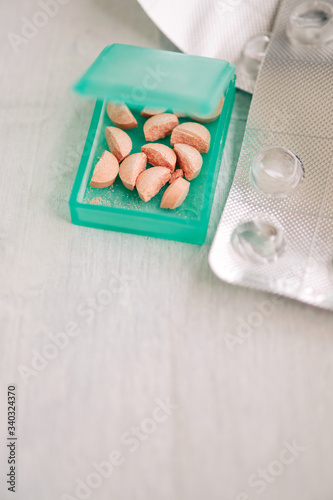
[30, 27]
[263, 477]
[151, 5]
[227, 6]
[130, 442]
[247, 324]
[73, 154]
[59, 341]
[153, 77]
[264, 310]
[151, 80]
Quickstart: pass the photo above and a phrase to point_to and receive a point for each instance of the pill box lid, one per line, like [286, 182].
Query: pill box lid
[156, 78]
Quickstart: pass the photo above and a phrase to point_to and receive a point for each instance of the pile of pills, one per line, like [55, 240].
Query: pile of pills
[189, 140]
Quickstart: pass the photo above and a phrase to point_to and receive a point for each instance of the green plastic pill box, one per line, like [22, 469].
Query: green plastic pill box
[140, 77]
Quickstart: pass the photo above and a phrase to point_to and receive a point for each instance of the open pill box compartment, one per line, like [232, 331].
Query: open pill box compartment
[140, 77]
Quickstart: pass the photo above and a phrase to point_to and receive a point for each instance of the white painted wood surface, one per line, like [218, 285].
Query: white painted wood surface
[163, 333]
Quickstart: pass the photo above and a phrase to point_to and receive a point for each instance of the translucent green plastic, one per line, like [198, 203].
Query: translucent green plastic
[157, 78]
[119, 209]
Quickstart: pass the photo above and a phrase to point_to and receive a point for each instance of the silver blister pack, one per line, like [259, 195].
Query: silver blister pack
[237, 31]
[276, 232]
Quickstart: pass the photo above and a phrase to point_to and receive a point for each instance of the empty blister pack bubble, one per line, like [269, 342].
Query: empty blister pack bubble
[276, 172]
[253, 55]
[311, 23]
[258, 239]
[276, 232]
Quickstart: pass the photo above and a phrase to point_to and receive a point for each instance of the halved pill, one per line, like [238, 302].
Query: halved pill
[105, 171]
[193, 134]
[159, 126]
[175, 194]
[120, 115]
[148, 112]
[189, 160]
[212, 117]
[151, 181]
[131, 168]
[160, 155]
[119, 142]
